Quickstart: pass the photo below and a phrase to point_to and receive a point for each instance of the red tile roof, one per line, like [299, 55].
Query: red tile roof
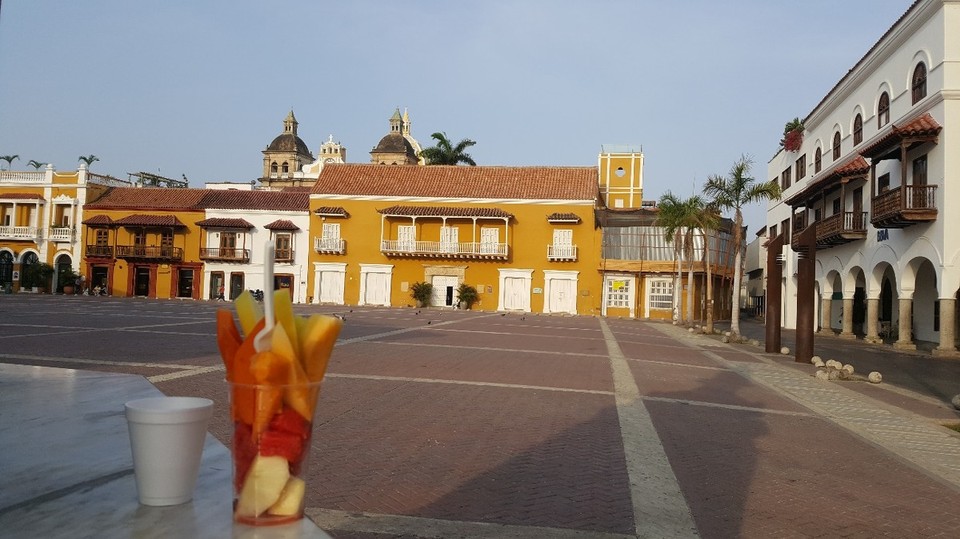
[21, 196]
[98, 220]
[922, 127]
[331, 211]
[444, 211]
[139, 219]
[281, 224]
[531, 183]
[854, 166]
[564, 217]
[200, 199]
[221, 222]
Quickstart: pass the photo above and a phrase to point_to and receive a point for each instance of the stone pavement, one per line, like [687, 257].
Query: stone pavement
[462, 424]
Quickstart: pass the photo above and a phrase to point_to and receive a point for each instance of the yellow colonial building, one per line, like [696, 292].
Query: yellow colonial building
[523, 237]
[40, 214]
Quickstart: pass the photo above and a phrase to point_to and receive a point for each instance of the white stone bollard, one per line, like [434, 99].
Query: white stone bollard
[822, 375]
[874, 377]
[785, 351]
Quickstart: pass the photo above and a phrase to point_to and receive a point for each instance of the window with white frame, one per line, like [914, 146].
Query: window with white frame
[618, 292]
[661, 294]
[449, 238]
[330, 238]
[489, 238]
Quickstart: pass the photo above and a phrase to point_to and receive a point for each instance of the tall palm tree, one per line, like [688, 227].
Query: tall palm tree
[35, 164]
[9, 159]
[680, 219]
[707, 221]
[733, 193]
[88, 159]
[445, 153]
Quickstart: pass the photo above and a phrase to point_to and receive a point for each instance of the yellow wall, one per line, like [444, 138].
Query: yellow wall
[528, 235]
[624, 191]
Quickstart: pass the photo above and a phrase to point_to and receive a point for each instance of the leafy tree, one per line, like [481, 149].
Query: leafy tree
[445, 153]
[9, 159]
[733, 193]
[89, 159]
[35, 164]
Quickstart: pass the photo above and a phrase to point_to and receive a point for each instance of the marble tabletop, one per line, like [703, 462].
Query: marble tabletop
[66, 468]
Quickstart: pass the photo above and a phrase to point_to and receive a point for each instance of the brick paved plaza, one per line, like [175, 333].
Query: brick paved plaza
[461, 424]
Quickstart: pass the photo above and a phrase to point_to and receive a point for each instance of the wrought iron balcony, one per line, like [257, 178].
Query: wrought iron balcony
[438, 249]
[904, 206]
[561, 252]
[153, 252]
[30, 233]
[102, 251]
[334, 246]
[225, 254]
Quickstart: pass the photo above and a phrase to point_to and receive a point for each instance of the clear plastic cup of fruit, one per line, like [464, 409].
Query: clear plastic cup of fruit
[274, 386]
[271, 451]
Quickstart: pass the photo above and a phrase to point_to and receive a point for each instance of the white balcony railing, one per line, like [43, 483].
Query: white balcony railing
[329, 245]
[561, 252]
[19, 232]
[61, 234]
[8, 176]
[437, 248]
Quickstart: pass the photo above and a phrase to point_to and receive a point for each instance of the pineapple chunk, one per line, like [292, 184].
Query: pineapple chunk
[248, 311]
[264, 484]
[291, 498]
[317, 343]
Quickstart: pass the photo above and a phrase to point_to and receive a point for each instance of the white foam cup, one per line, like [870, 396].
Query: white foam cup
[167, 436]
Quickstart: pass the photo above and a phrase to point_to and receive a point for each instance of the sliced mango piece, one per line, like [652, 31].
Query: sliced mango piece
[249, 311]
[244, 399]
[272, 371]
[283, 313]
[316, 345]
[228, 340]
[302, 399]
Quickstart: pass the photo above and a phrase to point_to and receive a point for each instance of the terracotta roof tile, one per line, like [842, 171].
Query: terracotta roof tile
[444, 211]
[331, 211]
[923, 126]
[257, 200]
[140, 219]
[554, 183]
[854, 166]
[281, 224]
[98, 220]
[21, 196]
[199, 199]
[563, 217]
[223, 222]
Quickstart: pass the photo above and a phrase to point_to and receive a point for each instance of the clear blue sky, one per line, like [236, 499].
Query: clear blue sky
[201, 87]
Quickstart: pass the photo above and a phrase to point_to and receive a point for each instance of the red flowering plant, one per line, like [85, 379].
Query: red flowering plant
[792, 135]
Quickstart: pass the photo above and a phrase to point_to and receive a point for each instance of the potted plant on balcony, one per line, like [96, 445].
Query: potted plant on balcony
[466, 295]
[421, 292]
[792, 135]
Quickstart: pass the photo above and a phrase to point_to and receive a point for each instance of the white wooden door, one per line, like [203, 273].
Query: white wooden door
[375, 291]
[514, 291]
[331, 287]
[407, 238]
[489, 238]
[563, 242]
[563, 296]
[444, 290]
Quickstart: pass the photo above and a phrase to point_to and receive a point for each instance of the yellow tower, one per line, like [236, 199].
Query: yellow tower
[621, 176]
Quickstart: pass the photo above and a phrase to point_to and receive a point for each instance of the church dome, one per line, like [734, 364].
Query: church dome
[395, 143]
[288, 142]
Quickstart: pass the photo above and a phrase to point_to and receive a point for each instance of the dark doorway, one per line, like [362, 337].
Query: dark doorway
[886, 301]
[185, 283]
[6, 269]
[283, 281]
[98, 277]
[859, 309]
[216, 285]
[141, 281]
[236, 285]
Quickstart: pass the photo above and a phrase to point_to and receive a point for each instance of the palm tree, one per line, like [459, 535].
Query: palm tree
[9, 159]
[732, 193]
[88, 159]
[708, 220]
[678, 220]
[35, 164]
[445, 153]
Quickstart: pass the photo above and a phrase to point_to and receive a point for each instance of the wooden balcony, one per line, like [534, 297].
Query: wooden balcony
[841, 228]
[149, 252]
[284, 255]
[561, 253]
[437, 249]
[335, 246]
[225, 254]
[100, 251]
[29, 233]
[904, 206]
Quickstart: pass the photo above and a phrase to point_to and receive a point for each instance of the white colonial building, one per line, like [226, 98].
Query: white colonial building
[878, 174]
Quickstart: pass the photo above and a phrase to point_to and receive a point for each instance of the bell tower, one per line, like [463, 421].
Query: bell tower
[620, 173]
